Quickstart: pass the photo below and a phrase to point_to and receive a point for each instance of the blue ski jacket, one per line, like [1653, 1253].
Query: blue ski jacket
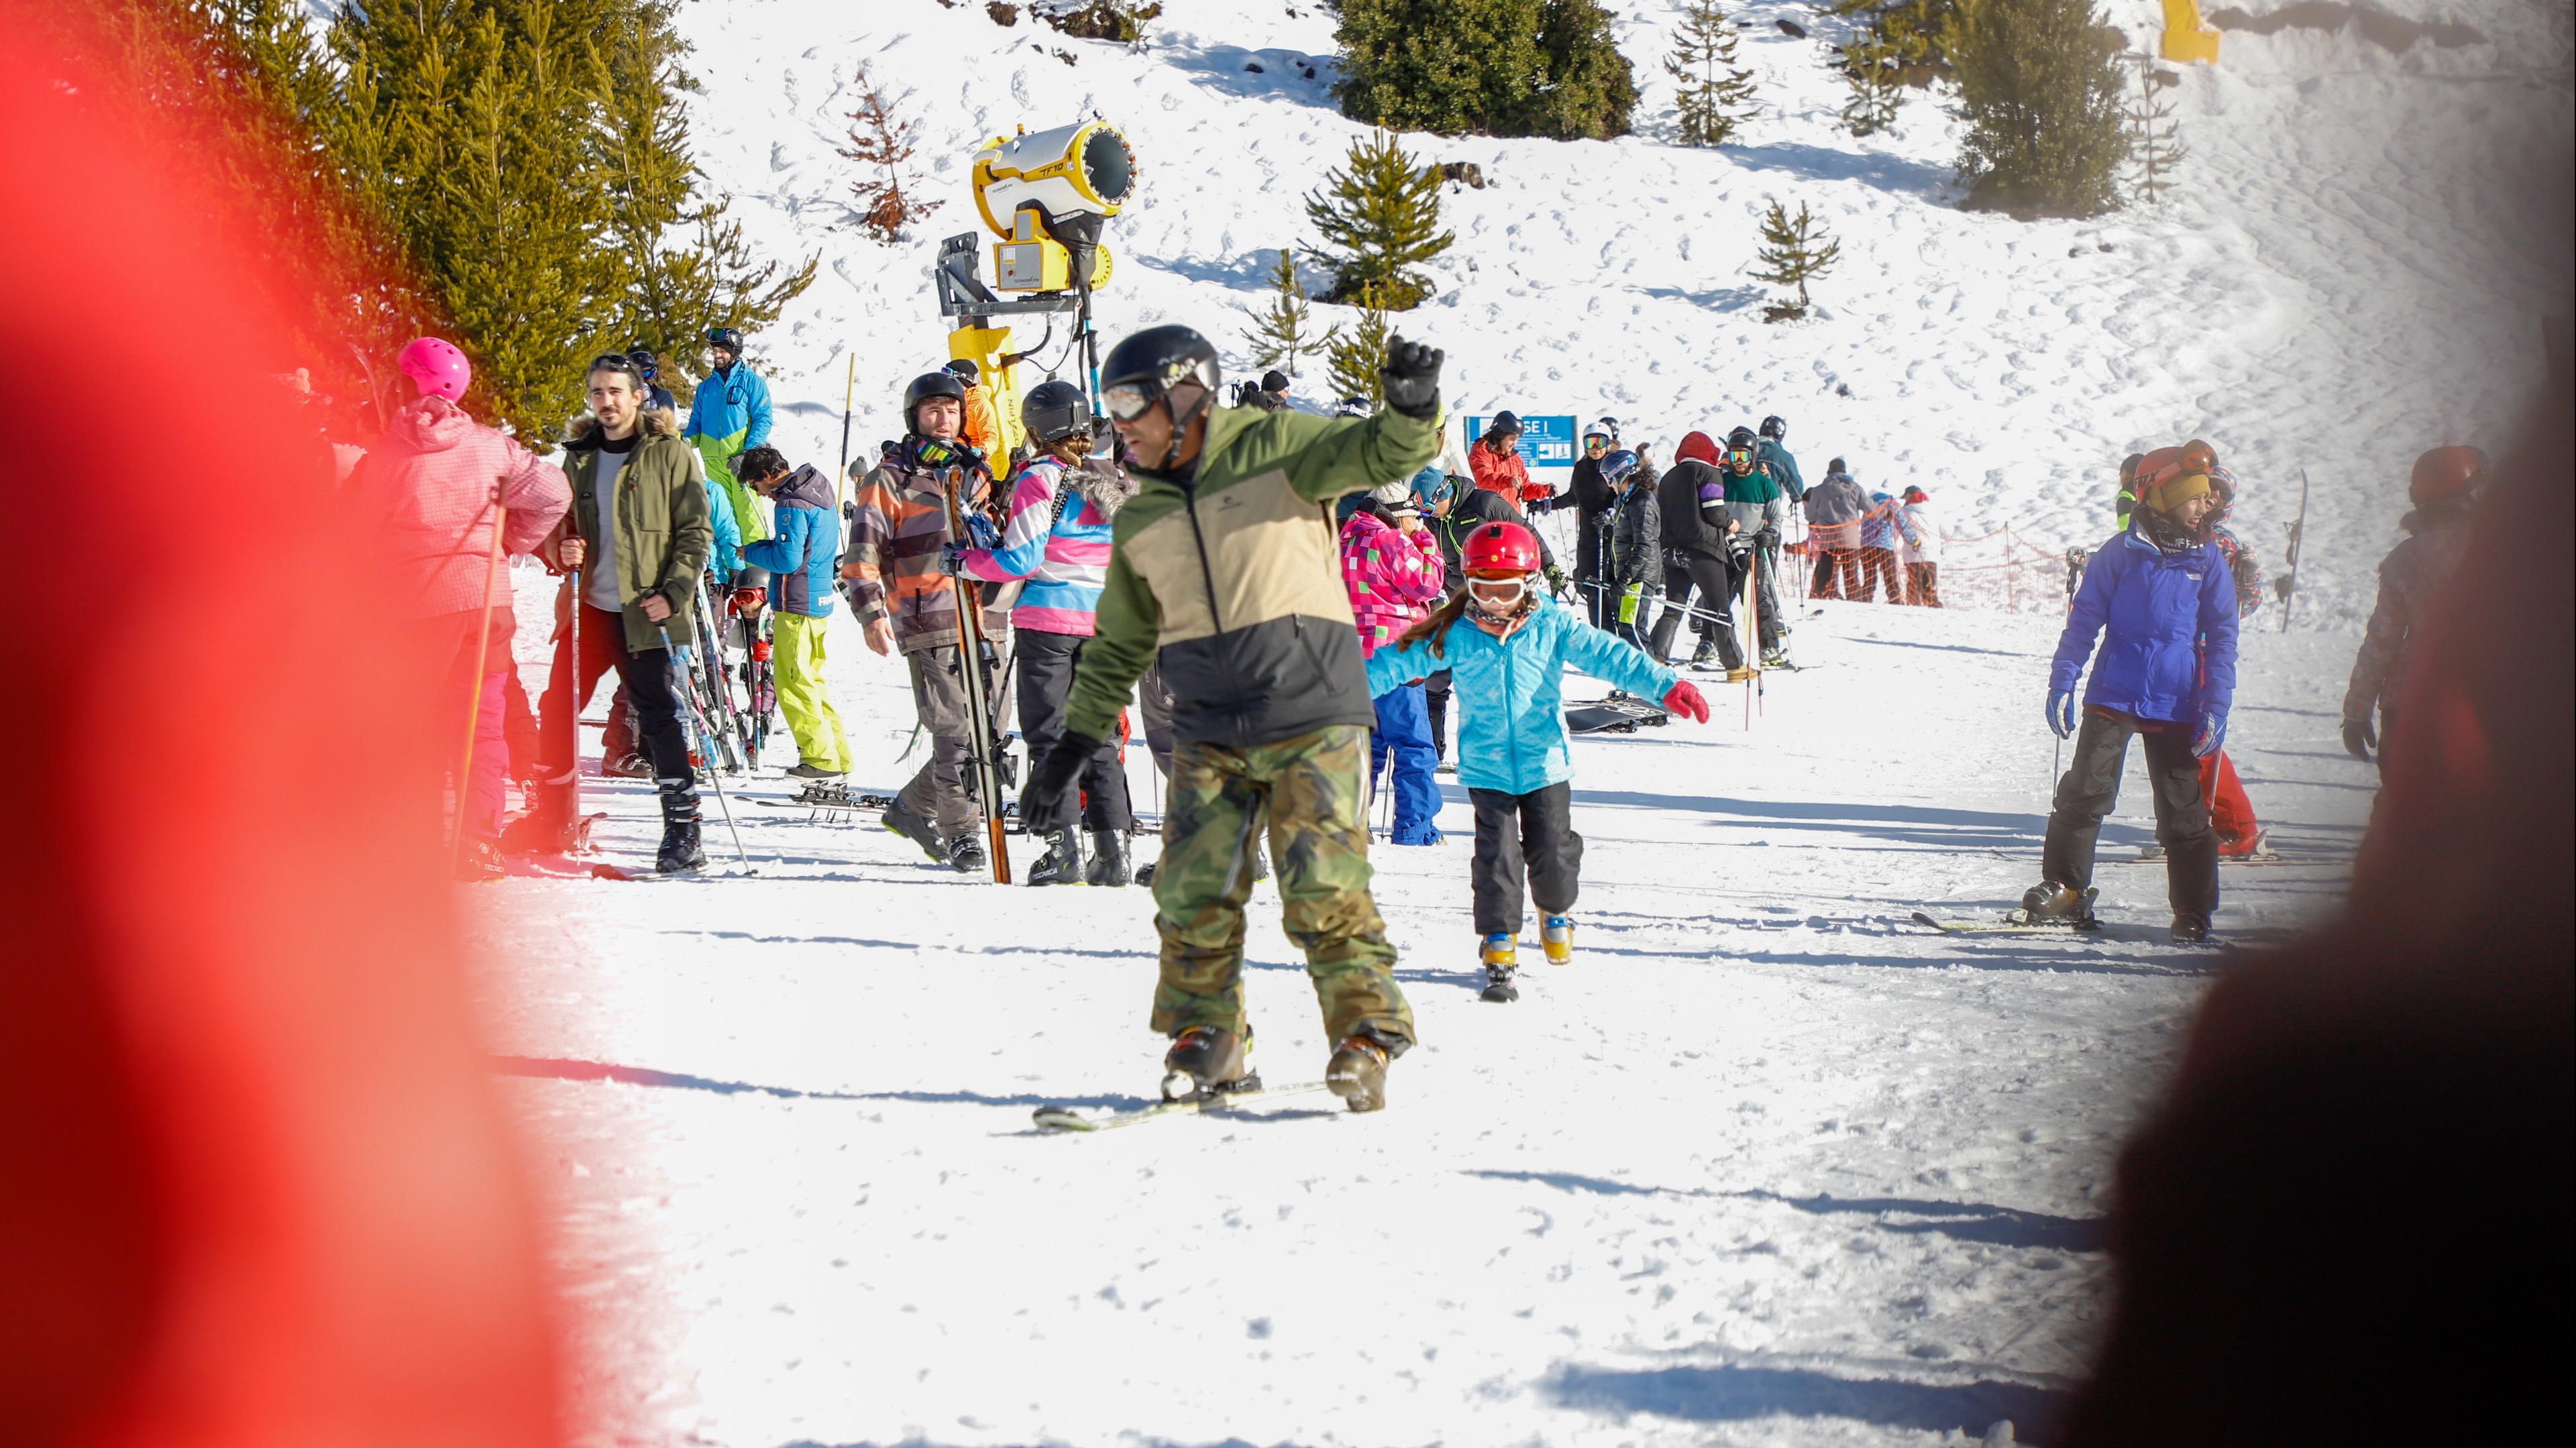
[1511, 705]
[2168, 628]
[732, 408]
[804, 556]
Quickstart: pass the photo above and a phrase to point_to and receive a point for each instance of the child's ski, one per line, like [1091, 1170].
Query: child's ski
[1069, 1118]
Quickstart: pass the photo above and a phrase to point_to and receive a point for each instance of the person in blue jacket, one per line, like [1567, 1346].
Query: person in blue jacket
[729, 415]
[2164, 603]
[1507, 667]
[803, 562]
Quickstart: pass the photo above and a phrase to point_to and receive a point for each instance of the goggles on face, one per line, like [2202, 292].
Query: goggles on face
[1742, 456]
[1516, 583]
[1128, 400]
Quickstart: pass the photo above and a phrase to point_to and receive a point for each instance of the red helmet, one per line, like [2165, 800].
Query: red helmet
[436, 367]
[2446, 472]
[1500, 548]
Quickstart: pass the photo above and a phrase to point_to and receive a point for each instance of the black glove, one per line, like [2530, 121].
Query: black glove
[1411, 378]
[2359, 739]
[1046, 803]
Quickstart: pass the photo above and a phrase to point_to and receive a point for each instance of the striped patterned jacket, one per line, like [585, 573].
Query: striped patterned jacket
[1063, 555]
[899, 520]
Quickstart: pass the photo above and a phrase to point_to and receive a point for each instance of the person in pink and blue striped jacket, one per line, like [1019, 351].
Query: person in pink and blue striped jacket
[1392, 566]
[1055, 536]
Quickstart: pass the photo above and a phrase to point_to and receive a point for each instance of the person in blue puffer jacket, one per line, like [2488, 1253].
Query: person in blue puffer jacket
[1506, 668]
[2163, 600]
[803, 561]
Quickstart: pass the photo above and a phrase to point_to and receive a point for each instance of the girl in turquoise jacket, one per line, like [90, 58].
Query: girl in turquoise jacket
[1506, 646]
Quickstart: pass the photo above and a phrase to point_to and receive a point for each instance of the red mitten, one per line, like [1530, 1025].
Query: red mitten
[1683, 698]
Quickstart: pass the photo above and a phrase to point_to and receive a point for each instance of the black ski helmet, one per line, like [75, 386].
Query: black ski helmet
[729, 338]
[1054, 410]
[1145, 366]
[926, 386]
[1775, 428]
[1741, 437]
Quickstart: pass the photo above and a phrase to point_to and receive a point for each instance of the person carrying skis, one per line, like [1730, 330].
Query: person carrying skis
[624, 756]
[1834, 510]
[635, 539]
[730, 413]
[1634, 559]
[2161, 599]
[907, 603]
[1703, 554]
[1392, 568]
[801, 562]
[1754, 501]
[1593, 497]
[1508, 667]
[1063, 506]
[2444, 489]
[1225, 572]
[431, 487]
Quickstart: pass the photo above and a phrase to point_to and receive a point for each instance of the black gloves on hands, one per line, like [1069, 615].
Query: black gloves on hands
[2359, 739]
[1411, 378]
[1046, 805]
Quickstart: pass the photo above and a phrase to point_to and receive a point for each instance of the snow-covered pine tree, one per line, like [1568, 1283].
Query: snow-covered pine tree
[2039, 85]
[1284, 331]
[1794, 252]
[883, 145]
[2155, 147]
[1713, 94]
[1380, 216]
[1357, 356]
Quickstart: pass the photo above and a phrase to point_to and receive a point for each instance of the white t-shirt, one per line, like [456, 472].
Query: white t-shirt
[600, 587]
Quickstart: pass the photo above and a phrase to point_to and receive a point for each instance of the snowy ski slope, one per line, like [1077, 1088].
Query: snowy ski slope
[1768, 1164]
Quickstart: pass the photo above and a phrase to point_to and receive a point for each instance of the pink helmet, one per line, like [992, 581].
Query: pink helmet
[437, 368]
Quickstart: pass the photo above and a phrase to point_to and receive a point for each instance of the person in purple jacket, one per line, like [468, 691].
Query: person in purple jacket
[1056, 536]
[2162, 599]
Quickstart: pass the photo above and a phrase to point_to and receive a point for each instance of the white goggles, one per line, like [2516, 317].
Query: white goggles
[1518, 584]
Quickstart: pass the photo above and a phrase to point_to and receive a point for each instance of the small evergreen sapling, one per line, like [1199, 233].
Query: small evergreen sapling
[1714, 95]
[1356, 357]
[2154, 147]
[1284, 331]
[1380, 214]
[1794, 252]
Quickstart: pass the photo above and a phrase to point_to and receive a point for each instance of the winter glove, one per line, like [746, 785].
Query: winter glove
[1411, 378]
[2359, 739]
[1555, 579]
[1684, 698]
[2212, 734]
[1046, 803]
[2061, 713]
[1628, 602]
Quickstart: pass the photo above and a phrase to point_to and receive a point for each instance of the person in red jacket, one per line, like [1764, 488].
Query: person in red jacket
[1495, 461]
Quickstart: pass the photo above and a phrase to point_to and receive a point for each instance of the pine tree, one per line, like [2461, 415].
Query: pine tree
[1870, 69]
[2155, 148]
[2040, 88]
[1355, 358]
[1715, 94]
[1380, 213]
[1284, 331]
[1894, 44]
[1794, 252]
[880, 141]
[1490, 67]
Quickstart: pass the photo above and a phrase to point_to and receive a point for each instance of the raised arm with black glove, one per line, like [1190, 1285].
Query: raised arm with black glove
[1411, 378]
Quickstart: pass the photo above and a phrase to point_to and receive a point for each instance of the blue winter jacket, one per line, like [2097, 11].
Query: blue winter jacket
[2168, 622]
[724, 554]
[1784, 468]
[731, 406]
[804, 556]
[1511, 728]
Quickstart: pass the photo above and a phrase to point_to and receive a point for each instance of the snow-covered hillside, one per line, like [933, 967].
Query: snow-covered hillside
[2352, 270]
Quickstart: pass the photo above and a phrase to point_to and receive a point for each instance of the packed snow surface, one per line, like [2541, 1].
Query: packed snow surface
[1769, 1163]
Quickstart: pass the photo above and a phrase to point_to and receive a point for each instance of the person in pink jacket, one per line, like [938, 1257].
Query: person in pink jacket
[435, 486]
[1393, 569]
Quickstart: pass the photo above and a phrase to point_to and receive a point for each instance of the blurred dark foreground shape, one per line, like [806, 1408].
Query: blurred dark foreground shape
[2349, 1221]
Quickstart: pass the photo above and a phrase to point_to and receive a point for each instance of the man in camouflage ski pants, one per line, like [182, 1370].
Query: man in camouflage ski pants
[1312, 793]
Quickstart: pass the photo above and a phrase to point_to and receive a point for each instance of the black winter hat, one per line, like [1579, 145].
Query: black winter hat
[1274, 381]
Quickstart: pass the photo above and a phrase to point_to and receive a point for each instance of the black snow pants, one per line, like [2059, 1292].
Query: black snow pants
[646, 674]
[2092, 786]
[1709, 584]
[1588, 550]
[1524, 836]
[1046, 662]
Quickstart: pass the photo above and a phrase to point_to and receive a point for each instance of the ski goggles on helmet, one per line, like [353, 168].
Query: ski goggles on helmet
[1129, 401]
[1740, 457]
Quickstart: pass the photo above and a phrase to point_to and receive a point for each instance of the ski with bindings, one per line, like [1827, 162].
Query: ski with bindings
[2011, 922]
[1205, 1103]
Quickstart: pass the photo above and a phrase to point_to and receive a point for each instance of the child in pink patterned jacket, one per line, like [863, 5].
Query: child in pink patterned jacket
[1392, 566]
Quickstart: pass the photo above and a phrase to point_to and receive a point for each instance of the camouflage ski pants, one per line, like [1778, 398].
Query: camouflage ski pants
[1312, 790]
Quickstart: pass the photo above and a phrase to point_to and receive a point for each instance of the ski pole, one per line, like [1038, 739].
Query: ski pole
[849, 391]
[474, 681]
[715, 769]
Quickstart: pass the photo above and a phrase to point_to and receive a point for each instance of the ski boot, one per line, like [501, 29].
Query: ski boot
[1062, 862]
[916, 829]
[966, 854]
[1357, 1073]
[1556, 938]
[630, 766]
[478, 860]
[1145, 874]
[2189, 929]
[1208, 1060]
[814, 773]
[1501, 957]
[2049, 903]
[1260, 863]
[681, 853]
[1108, 858]
[1706, 651]
[547, 827]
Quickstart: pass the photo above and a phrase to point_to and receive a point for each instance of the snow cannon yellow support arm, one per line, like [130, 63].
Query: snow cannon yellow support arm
[2186, 38]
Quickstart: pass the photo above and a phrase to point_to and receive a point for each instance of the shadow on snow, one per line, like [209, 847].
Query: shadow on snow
[1734, 1393]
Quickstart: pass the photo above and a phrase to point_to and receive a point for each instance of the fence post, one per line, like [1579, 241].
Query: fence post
[2012, 574]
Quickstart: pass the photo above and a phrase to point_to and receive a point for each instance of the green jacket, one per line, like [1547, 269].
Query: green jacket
[663, 525]
[1233, 579]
